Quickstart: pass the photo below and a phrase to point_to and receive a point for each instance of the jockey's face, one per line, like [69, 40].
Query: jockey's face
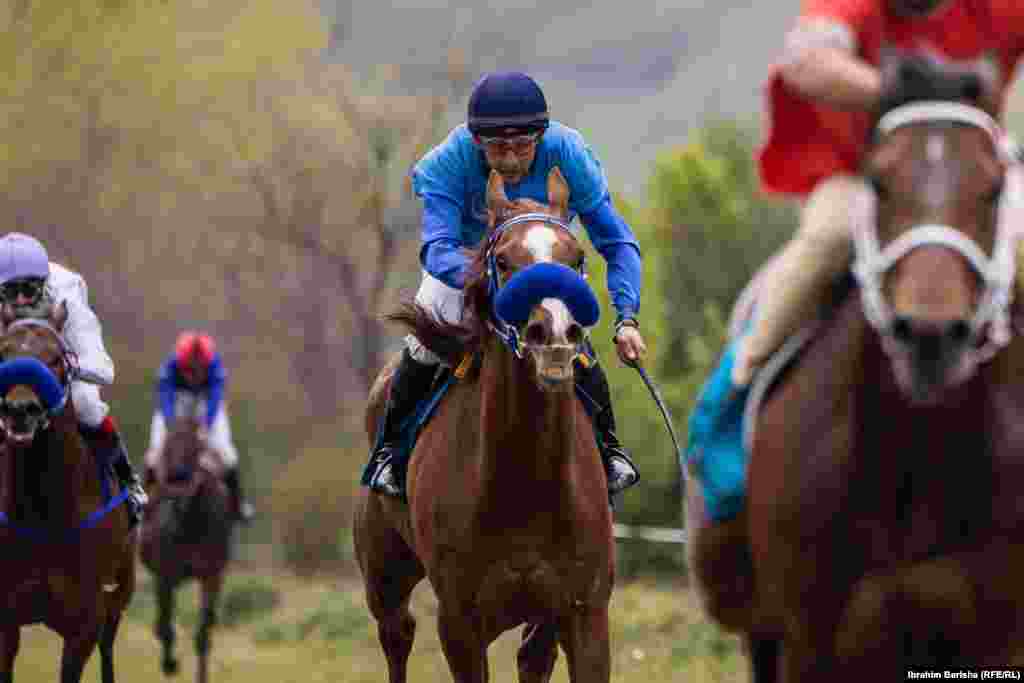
[510, 155]
[22, 292]
[194, 373]
[915, 8]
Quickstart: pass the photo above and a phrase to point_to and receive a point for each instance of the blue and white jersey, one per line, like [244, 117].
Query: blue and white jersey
[452, 182]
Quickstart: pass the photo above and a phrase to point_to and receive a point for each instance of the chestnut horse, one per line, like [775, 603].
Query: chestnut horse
[69, 559]
[508, 513]
[186, 534]
[883, 528]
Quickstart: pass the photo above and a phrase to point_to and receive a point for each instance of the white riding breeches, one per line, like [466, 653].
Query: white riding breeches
[444, 302]
[219, 436]
[90, 408]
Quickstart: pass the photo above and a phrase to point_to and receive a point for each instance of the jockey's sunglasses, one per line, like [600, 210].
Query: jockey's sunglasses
[518, 144]
[29, 288]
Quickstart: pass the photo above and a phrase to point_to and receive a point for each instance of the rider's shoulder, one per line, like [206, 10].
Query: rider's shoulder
[64, 279]
[456, 152]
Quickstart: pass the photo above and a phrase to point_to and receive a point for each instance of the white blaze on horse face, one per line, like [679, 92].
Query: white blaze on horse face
[540, 241]
[936, 190]
[561, 318]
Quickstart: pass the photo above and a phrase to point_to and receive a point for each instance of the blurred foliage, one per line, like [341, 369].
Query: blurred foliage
[202, 165]
[704, 232]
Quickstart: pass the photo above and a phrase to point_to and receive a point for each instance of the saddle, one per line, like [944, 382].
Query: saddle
[722, 424]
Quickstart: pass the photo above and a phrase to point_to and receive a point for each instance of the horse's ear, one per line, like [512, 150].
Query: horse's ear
[497, 200]
[558, 192]
[59, 316]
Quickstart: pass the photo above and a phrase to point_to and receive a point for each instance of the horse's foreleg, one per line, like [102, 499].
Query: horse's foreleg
[78, 648]
[107, 637]
[210, 592]
[537, 653]
[10, 638]
[764, 659]
[584, 636]
[390, 572]
[164, 628]
[464, 647]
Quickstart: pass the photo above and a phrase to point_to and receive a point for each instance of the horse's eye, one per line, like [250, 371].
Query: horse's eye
[994, 196]
[502, 263]
[878, 186]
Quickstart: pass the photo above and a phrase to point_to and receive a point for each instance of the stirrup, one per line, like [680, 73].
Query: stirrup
[384, 480]
[621, 471]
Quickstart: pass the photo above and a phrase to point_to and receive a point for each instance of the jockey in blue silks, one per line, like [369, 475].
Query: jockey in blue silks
[30, 285]
[508, 130]
[191, 381]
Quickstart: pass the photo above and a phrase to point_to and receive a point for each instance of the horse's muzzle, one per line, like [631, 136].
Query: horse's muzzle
[22, 419]
[553, 363]
[931, 355]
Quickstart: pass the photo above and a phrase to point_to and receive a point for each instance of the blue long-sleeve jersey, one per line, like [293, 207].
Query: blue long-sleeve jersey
[452, 182]
[170, 382]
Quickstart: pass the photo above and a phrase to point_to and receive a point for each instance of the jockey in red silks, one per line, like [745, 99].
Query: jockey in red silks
[192, 381]
[836, 73]
[845, 62]
[30, 285]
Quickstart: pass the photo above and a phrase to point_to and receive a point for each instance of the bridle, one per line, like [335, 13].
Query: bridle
[508, 333]
[989, 327]
[68, 358]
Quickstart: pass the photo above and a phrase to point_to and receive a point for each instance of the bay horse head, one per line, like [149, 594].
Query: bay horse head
[531, 283]
[183, 460]
[934, 247]
[36, 368]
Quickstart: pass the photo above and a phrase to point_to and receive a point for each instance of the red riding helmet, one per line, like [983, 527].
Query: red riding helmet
[194, 346]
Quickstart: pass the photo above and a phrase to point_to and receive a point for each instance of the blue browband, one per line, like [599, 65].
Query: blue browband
[511, 304]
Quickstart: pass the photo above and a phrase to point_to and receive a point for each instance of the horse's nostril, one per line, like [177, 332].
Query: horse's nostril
[574, 334]
[958, 331]
[536, 334]
[902, 328]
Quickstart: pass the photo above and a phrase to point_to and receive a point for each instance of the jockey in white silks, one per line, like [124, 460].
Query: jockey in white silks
[192, 382]
[30, 285]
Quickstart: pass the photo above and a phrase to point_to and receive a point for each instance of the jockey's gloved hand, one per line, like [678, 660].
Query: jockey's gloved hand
[917, 79]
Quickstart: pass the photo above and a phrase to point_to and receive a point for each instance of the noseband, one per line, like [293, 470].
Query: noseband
[989, 327]
[68, 358]
[508, 333]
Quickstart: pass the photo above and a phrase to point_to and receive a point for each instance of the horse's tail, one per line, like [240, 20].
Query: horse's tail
[450, 341]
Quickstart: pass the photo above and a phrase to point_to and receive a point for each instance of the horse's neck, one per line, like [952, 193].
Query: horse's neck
[527, 435]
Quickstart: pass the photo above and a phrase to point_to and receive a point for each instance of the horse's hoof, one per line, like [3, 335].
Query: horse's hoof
[170, 666]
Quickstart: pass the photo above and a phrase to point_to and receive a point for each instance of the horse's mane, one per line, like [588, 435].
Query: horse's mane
[453, 341]
[923, 83]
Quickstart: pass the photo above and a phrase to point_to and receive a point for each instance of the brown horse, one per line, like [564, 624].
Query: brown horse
[70, 560]
[186, 534]
[508, 512]
[883, 516]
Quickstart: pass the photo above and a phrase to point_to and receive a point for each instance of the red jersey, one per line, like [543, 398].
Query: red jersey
[808, 142]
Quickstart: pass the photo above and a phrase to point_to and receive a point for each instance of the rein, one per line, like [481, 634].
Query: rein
[990, 325]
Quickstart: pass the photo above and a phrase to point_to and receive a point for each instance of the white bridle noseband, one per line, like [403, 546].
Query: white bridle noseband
[997, 273]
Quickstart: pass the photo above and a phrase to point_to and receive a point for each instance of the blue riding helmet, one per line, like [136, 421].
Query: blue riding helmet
[21, 257]
[506, 102]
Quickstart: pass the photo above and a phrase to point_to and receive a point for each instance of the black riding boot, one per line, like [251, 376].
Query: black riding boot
[409, 384]
[619, 467]
[240, 507]
[109, 447]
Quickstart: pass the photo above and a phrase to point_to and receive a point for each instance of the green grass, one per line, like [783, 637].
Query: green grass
[279, 629]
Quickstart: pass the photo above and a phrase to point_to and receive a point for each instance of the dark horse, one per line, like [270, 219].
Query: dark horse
[883, 527]
[508, 512]
[186, 534]
[69, 560]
